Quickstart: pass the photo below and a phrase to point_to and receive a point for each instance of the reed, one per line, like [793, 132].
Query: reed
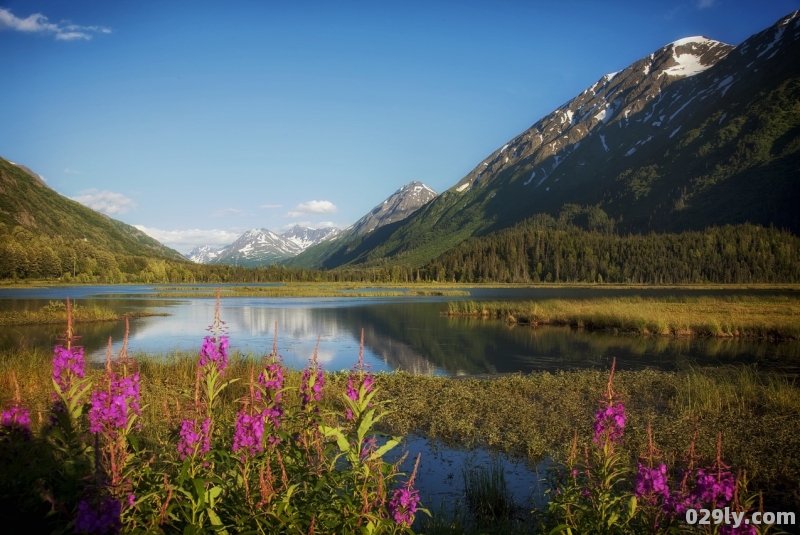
[770, 317]
[55, 312]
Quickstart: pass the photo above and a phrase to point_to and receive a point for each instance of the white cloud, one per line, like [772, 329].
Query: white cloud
[186, 240]
[105, 201]
[312, 207]
[38, 23]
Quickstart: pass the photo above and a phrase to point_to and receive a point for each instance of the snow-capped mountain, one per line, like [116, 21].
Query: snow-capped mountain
[304, 237]
[399, 205]
[204, 254]
[697, 133]
[259, 247]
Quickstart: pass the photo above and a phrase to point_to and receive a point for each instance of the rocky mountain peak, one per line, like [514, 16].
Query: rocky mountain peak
[399, 205]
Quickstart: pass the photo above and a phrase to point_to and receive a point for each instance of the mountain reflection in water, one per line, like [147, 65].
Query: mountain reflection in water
[405, 333]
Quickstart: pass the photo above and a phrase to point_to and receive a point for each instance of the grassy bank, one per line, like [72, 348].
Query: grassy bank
[771, 317]
[531, 416]
[304, 290]
[56, 313]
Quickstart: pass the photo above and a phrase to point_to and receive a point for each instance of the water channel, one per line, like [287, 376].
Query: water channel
[401, 332]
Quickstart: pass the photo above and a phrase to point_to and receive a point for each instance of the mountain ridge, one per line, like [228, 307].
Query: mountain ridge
[669, 143]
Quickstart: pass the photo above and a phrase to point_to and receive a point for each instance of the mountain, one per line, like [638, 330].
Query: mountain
[27, 202]
[261, 247]
[697, 133]
[398, 206]
[204, 254]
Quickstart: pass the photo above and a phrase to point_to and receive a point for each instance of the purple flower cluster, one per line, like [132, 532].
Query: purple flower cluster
[68, 364]
[311, 386]
[249, 433]
[652, 483]
[195, 438]
[16, 419]
[114, 407]
[609, 422]
[213, 353]
[353, 389]
[271, 381]
[99, 518]
[711, 490]
[743, 529]
[714, 490]
[403, 505]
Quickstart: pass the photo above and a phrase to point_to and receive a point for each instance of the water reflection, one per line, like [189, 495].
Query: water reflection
[407, 333]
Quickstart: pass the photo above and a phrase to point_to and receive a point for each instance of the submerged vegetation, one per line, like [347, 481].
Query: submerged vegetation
[773, 317]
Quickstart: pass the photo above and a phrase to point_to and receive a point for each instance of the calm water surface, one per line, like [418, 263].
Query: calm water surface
[407, 333]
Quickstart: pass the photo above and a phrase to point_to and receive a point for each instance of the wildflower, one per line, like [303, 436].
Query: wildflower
[271, 382]
[68, 364]
[249, 433]
[610, 423]
[403, 505]
[16, 419]
[215, 354]
[714, 490]
[99, 518]
[193, 439]
[115, 406]
[311, 386]
[651, 483]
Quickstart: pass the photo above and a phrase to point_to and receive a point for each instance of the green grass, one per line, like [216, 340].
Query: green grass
[530, 416]
[307, 290]
[771, 317]
[56, 313]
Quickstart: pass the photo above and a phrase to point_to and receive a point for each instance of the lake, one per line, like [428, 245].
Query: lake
[401, 333]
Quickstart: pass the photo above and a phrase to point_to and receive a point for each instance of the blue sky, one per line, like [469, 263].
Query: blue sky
[200, 120]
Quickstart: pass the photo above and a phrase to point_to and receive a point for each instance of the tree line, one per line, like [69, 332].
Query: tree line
[543, 249]
[548, 250]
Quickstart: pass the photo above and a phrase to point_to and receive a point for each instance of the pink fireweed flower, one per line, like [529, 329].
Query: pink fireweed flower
[609, 422]
[714, 490]
[194, 438]
[16, 419]
[113, 408]
[403, 505]
[215, 354]
[271, 381]
[651, 483]
[68, 364]
[249, 433]
[311, 386]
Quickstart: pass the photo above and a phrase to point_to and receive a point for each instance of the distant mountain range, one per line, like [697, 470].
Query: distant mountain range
[260, 247]
[697, 133]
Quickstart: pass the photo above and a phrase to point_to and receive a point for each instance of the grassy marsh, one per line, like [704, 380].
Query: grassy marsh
[531, 416]
[771, 317]
[306, 290]
[56, 313]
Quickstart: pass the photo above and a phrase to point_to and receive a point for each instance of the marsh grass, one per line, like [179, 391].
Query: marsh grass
[487, 494]
[307, 290]
[530, 416]
[55, 312]
[769, 317]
